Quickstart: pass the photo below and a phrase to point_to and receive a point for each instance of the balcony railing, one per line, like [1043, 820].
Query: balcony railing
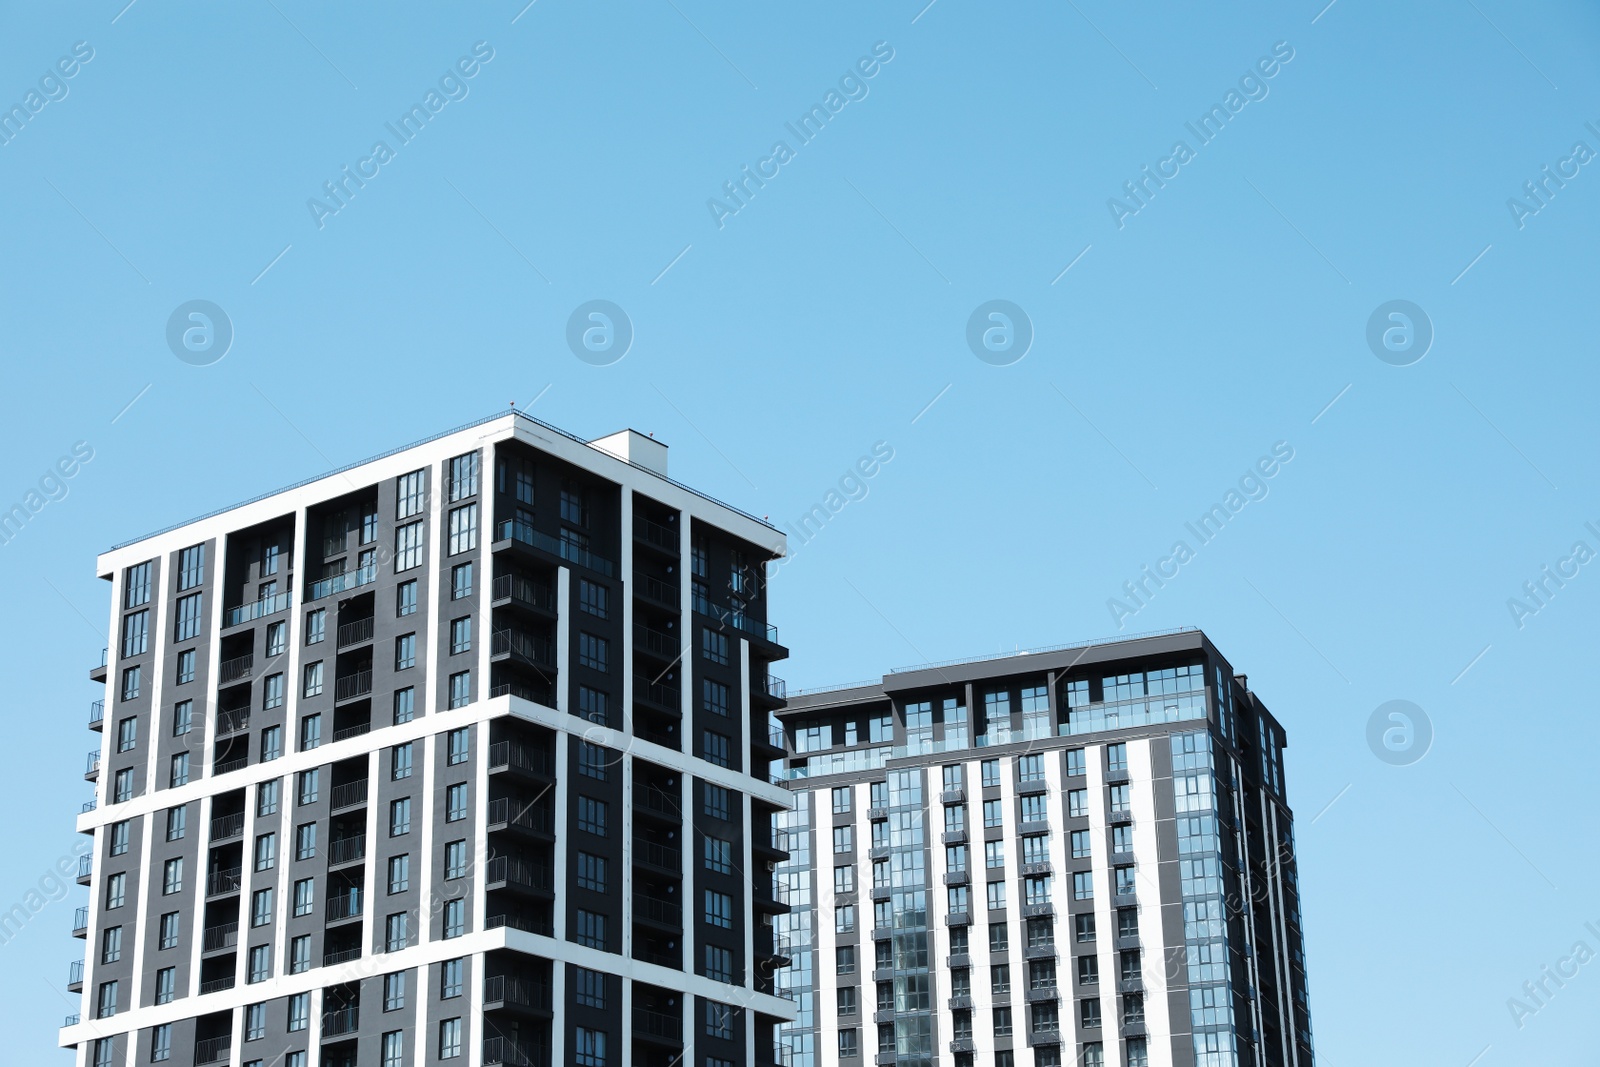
[348, 795]
[338, 583]
[653, 533]
[344, 733]
[93, 767]
[338, 956]
[354, 633]
[524, 533]
[90, 804]
[232, 720]
[667, 696]
[223, 936]
[654, 909]
[231, 670]
[659, 801]
[97, 713]
[513, 870]
[655, 642]
[777, 688]
[341, 1021]
[504, 1052]
[512, 989]
[224, 827]
[80, 921]
[522, 590]
[655, 589]
[662, 857]
[220, 882]
[212, 1049]
[503, 755]
[72, 1020]
[354, 685]
[75, 973]
[658, 1024]
[737, 619]
[85, 867]
[267, 605]
[228, 766]
[346, 905]
[347, 849]
[217, 985]
[524, 646]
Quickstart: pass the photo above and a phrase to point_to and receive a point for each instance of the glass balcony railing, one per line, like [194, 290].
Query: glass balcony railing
[268, 605]
[339, 583]
[523, 533]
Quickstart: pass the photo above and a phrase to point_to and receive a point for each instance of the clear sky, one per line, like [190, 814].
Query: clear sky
[1176, 339]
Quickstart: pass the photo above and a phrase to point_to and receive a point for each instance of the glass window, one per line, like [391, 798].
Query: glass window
[408, 549]
[394, 991]
[186, 662]
[182, 717]
[405, 598]
[191, 567]
[461, 581]
[316, 625]
[404, 705]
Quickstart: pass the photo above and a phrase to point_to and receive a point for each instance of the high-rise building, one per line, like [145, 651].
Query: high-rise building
[457, 755]
[1081, 855]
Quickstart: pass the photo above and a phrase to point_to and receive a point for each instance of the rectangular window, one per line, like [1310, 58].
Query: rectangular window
[168, 931]
[455, 918]
[714, 646]
[715, 801]
[191, 567]
[715, 698]
[314, 679]
[316, 626]
[449, 1039]
[394, 991]
[592, 815]
[255, 1022]
[277, 638]
[309, 785]
[399, 873]
[267, 799]
[299, 1012]
[394, 1048]
[111, 945]
[266, 853]
[591, 871]
[463, 477]
[451, 978]
[455, 861]
[461, 581]
[463, 529]
[719, 964]
[189, 613]
[408, 548]
[272, 692]
[460, 689]
[593, 761]
[589, 1047]
[589, 988]
[400, 817]
[409, 498]
[594, 705]
[136, 634]
[261, 968]
[719, 909]
[843, 838]
[715, 747]
[994, 854]
[106, 1005]
[186, 661]
[261, 907]
[1030, 768]
[1080, 844]
[131, 681]
[591, 929]
[405, 599]
[180, 770]
[305, 896]
[594, 599]
[119, 838]
[1082, 885]
[993, 813]
[459, 745]
[405, 652]
[400, 762]
[844, 959]
[455, 802]
[396, 932]
[718, 855]
[1117, 758]
[305, 841]
[997, 896]
[461, 635]
[404, 705]
[127, 734]
[271, 743]
[841, 800]
[172, 876]
[1121, 798]
[593, 652]
[300, 954]
[1077, 803]
[182, 717]
[1075, 764]
[1033, 808]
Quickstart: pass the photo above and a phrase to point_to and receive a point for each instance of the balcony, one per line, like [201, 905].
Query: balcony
[228, 766]
[513, 872]
[89, 805]
[73, 1019]
[348, 795]
[221, 883]
[341, 1021]
[1045, 1036]
[352, 686]
[522, 647]
[217, 985]
[1036, 867]
[344, 733]
[663, 538]
[657, 801]
[1045, 951]
[345, 905]
[343, 955]
[80, 923]
[776, 688]
[98, 674]
[760, 631]
[358, 632]
[232, 670]
[657, 695]
[961, 877]
[232, 721]
[97, 714]
[776, 848]
[85, 869]
[92, 771]
[663, 595]
[520, 592]
[1032, 787]
[533, 763]
[75, 976]
[339, 583]
[512, 531]
[506, 813]
[504, 1052]
[954, 837]
[956, 795]
[770, 744]
[213, 1049]
[960, 1001]
[227, 827]
[1124, 815]
[958, 918]
[661, 858]
[511, 991]
[962, 1043]
[244, 613]
[665, 914]
[662, 646]
[1043, 993]
[352, 849]
[658, 1027]
[1032, 911]
[218, 938]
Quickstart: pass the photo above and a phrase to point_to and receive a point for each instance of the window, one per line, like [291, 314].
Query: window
[999, 937]
[591, 871]
[589, 988]
[106, 1006]
[1128, 965]
[400, 762]
[1121, 798]
[461, 635]
[718, 855]
[316, 626]
[299, 1012]
[1075, 764]
[591, 929]
[182, 717]
[399, 873]
[161, 1037]
[1089, 1012]
[843, 838]
[593, 652]
[1033, 808]
[309, 785]
[255, 1022]
[1036, 889]
[272, 692]
[845, 959]
[305, 841]
[394, 991]
[394, 1048]
[589, 1047]
[993, 813]
[994, 854]
[136, 634]
[997, 896]
[455, 802]
[715, 747]
[844, 918]
[1117, 758]
[300, 954]
[1002, 1022]
[267, 799]
[1083, 928]
[1127, 922]
[449, 1039]
[186, 661]
[116, 888]
[594, 599]
[715, 697]
[1082, 885]
[119, 838]
[458, 743]
[130, 683]
[404, 705]
[261, 967]
[455, 918]
[714, 646]
[461, 689]
[405, 598]
[261, 907]
[168, 931]
[1125, 879]
[463, 529]
[1030, 768]
[180, 770]
[313, 679]
[1122, 839]
[409, 498]
[136, 586]
[593, 761]
[1088, 970]
[1077, 803]
[266, 853]
[716, 801]
[719, 964]
[1080, 844]
[400, 817]
[305, 896]
[172, 876]
[719, 909]
[408, 551]
[405, 652]
[271, 743]
[277, 638]
[127, 734]
[955, 818]
[956, 898]
[122, 785]
[841, 800]
[191, 568]
[111, 945]
[592, 815]
[188, 627]
[396, 932]
[450, 978]
[955, 858]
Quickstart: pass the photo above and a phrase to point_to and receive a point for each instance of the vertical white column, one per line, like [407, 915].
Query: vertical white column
[559, 878]
[314, 1030]
[564, 638]
[374, 934]
[1147, 857]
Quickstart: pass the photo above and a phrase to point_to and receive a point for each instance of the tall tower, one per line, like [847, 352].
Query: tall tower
[457, 755]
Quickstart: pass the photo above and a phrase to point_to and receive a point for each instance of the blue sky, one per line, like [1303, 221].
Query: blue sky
[830, 313]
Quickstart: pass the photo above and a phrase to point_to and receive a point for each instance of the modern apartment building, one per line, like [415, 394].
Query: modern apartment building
[459, 755]
[1081, 855]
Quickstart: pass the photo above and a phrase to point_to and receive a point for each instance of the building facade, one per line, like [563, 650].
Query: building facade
[1075, 856]
[456, 756]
